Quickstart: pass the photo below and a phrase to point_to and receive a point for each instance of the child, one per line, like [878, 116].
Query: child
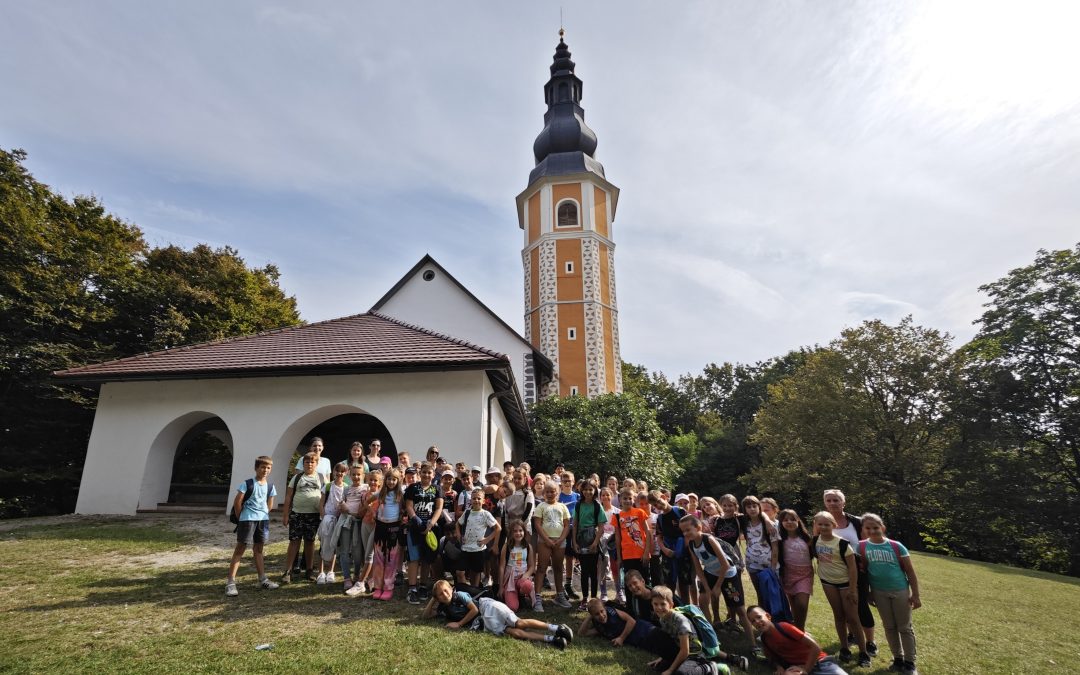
[633, 541]
[639, 598]
[770, 508]
[302, 500]
[356, 458]
[717, 572]
[569, 498]
[551, 522]
[710, 511]
[609, 561]
[497, 617]
[895, 590]
[252, 505]
[796, 565]
[464, 494]
[387, 539]
[616, 625]
[587, 526]
[333, 494]
[519, 568]
[677, 570]
[762, 541]
[839, 579]
[349, 529]
[423, 506]
[689, 660]
[476, 529]
[728, 526]
[368, 507]
[792, 651]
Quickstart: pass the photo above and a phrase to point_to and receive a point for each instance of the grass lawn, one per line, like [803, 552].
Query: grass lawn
[147, 595]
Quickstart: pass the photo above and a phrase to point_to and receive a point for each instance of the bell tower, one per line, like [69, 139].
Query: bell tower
[567, 214]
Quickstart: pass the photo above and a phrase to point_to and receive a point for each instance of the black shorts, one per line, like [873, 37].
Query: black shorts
[569, 552]
[251, 532]
[732, 591]
[473, 561]
[303, 526]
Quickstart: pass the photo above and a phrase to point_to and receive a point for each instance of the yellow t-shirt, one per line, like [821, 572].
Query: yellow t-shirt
[552, 517]
[831, 566]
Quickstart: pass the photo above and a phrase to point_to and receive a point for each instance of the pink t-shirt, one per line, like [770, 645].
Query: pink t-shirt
[796, 552]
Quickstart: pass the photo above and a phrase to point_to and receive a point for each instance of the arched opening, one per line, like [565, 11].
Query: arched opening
[338, 426]
[189, 463]
[564, 92]
[566, 214]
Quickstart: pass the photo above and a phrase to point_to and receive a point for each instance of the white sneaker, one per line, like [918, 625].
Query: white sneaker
[321, 580]
[538, 606]
[230, 589]
[268, 585]
[561, 601]
[330, 578]
[356, 590]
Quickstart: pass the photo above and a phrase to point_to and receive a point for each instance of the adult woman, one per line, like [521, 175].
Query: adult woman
[371, 460]
[849, 527]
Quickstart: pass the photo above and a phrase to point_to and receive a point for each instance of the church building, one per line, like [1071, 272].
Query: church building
[428, 364]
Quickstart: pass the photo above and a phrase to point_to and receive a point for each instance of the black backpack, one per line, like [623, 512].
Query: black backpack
[249, 490]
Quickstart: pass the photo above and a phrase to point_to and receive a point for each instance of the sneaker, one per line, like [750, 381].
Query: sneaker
[348, 583]
[424, 593]
[356, 590]
[844, 655]
[558, 643]
[897, 665]
[864, 660]
[538, 606]
[759, 654]
[583, 606]
[561, 601]
[362, 586]
[321, 579]
[330, 577]
[620, 598]
[413, 597]
[569, 591]
[738, 661]
[871, 649]
[565, 633]
[268, 585]
[230, 590]
[909, 668]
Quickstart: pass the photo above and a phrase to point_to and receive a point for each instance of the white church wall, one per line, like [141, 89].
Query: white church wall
[502, 433]
[138, 425]
[440, 305]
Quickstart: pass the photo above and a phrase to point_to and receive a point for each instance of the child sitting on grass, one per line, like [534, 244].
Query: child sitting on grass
[790, 650]
[252, 505]
[459, 607]
[689, 659]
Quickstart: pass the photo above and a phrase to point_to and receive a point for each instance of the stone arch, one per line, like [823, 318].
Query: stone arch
[157, 474]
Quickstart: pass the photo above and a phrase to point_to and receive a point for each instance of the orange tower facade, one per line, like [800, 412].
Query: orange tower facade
[567, 214]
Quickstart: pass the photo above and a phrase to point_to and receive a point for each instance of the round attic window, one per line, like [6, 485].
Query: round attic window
[429, 275]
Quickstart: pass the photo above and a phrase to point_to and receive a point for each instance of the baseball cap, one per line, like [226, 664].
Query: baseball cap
[476, 469]
[448, 473]
[385, 460]
[411, 469]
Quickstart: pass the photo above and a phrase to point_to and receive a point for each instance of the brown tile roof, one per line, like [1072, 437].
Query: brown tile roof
[369, 342]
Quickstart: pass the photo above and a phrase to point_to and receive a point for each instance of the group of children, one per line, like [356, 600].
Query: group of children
[480, 548]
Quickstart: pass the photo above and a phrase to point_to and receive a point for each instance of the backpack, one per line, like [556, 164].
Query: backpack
[844, 546]
[729, 551]
[585, 535]
[861, 552]
[322, 481]
[710, 644]
[249, 490]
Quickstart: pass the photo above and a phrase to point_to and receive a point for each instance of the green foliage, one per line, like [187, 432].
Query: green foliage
[614, 434]
[868, 414]
[77, 286]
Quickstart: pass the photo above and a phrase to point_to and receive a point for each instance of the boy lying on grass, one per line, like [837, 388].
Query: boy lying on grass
[789, 650]
[461, 610]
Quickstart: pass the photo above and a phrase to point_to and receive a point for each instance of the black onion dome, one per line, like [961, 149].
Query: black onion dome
[566, 145]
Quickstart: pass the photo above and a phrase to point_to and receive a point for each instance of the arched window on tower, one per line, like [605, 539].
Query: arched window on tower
[567, 214]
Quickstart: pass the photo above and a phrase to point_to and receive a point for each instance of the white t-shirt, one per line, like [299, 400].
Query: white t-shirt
[476, 527]
[848, 533]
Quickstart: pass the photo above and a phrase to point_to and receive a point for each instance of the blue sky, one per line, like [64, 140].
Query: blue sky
[787, 169]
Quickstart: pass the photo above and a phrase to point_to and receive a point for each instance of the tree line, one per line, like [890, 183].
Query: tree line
[77, 286]
[969, 450]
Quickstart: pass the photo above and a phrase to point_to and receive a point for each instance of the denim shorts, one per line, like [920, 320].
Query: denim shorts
[251, 532]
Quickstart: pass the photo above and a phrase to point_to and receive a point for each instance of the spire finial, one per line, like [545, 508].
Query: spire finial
[561, 30]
